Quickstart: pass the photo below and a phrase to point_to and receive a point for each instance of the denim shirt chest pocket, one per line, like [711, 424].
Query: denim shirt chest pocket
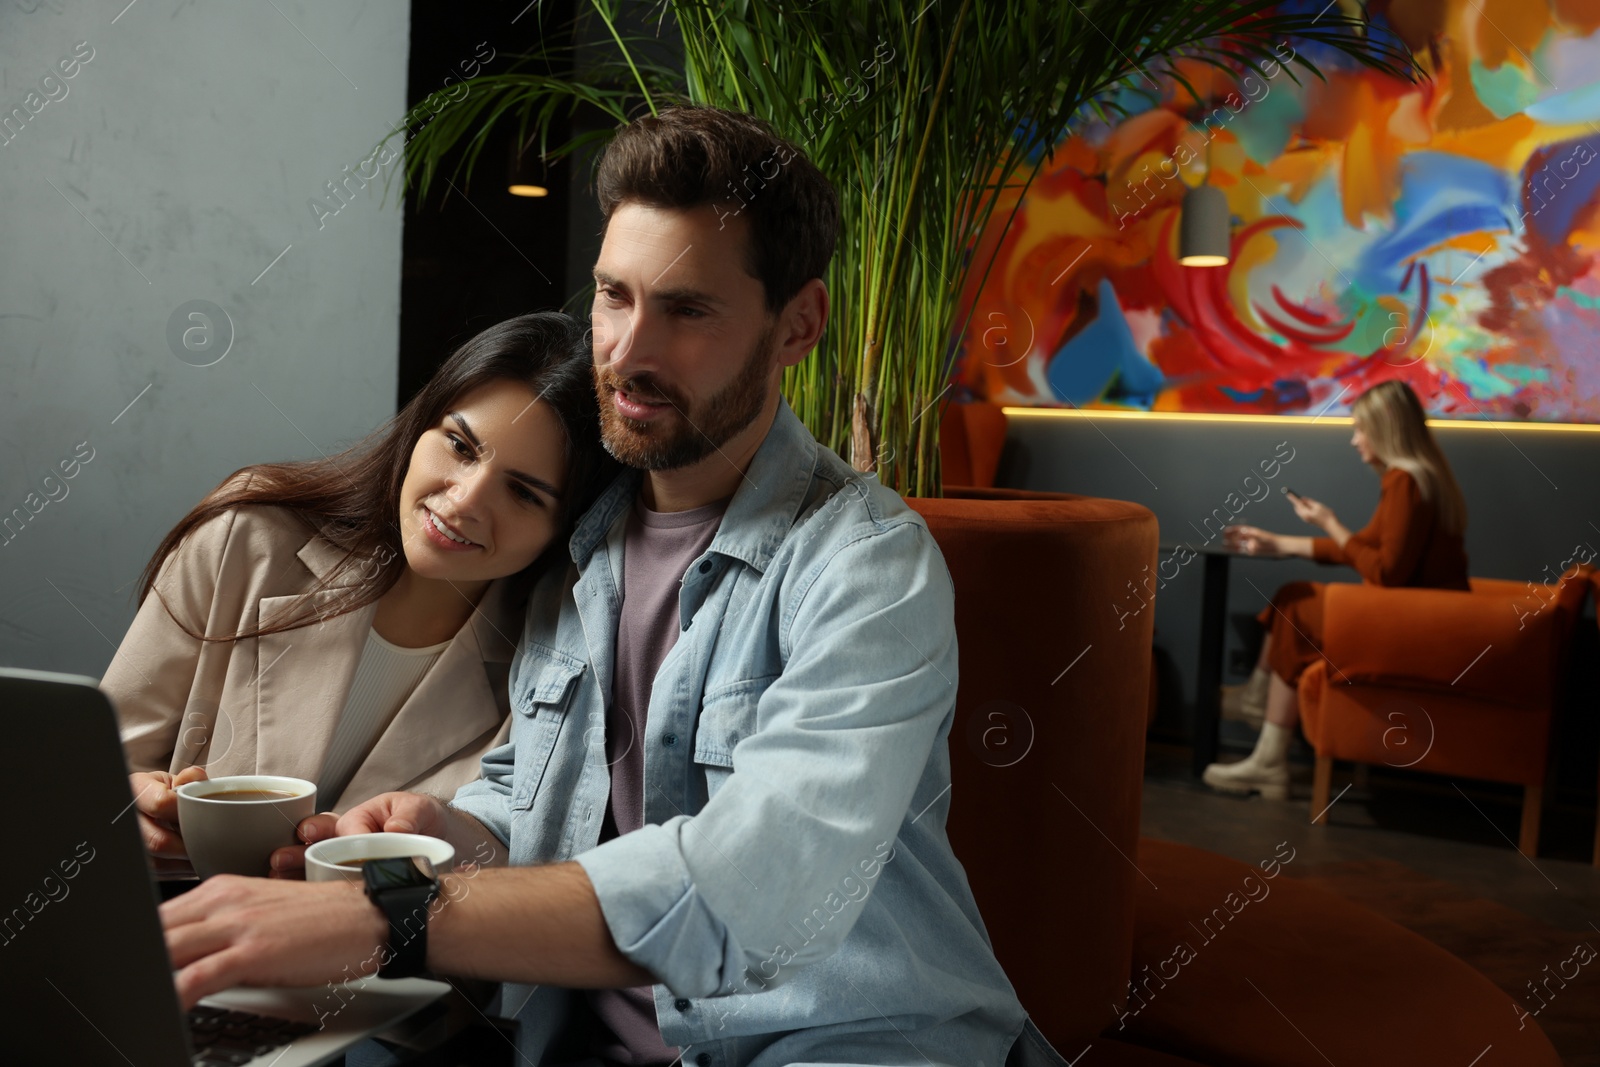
[545, 682]
[727, 716]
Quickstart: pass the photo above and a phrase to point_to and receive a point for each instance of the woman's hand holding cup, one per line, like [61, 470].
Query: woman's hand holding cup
[155, 799]
[290, 860]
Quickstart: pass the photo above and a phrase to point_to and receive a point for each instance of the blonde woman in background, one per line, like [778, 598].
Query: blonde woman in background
[1413, 539]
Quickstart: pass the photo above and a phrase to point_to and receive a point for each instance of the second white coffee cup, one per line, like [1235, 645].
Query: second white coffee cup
[341, 857]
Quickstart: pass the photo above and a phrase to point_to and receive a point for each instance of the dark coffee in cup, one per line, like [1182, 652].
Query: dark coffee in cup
[342, 858]
[251, 794]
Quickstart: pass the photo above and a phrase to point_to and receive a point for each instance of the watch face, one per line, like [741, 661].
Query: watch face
[399, 872]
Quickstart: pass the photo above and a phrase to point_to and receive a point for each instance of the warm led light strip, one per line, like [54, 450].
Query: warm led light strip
[1332, 420]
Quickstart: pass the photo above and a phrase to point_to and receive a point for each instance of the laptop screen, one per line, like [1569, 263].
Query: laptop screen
[84, 972]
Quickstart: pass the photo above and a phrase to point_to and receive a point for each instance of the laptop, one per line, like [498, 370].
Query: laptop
[84, 972]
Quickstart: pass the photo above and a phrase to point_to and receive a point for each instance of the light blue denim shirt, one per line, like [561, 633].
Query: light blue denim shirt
[793, 890]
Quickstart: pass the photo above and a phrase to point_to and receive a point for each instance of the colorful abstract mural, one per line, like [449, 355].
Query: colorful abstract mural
[1443, 233]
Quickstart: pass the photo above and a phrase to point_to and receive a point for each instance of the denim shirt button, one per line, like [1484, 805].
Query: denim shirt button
[670, 739]
[704, 1059]
[705, 566]
[681, 1004]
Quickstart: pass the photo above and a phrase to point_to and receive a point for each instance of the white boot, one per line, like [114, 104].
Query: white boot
[1264, 771]
[1248, 703]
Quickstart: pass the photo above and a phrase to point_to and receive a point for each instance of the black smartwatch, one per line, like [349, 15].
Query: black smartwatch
[403, 888]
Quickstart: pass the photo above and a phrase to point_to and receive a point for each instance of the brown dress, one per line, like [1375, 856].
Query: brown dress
[1403, 545]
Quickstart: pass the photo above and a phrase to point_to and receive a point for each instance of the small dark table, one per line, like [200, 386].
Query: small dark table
[1213, 625]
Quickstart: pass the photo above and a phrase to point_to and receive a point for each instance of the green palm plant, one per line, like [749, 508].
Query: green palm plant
[921, 115]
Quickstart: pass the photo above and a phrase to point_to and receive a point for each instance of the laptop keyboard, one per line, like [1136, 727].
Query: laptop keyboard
[224, 1038]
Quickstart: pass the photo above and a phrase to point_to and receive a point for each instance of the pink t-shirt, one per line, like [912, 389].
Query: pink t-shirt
[658, 547]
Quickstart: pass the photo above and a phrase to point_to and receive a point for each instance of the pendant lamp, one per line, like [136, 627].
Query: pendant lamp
[525, 177]
[1204, 232]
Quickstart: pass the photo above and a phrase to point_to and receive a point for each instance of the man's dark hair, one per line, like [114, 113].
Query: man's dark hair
[689, 157]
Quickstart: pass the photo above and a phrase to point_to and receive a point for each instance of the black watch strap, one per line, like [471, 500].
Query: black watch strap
[403, 889]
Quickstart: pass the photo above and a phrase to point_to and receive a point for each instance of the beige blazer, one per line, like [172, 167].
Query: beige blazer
[269, 705]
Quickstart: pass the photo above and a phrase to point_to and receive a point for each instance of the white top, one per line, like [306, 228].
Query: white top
[384, 678]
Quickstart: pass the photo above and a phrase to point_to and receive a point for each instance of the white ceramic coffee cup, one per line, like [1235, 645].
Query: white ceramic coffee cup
[338, 857]
[239, 836]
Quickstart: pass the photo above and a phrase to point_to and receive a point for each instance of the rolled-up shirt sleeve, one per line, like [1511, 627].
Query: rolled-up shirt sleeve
[843, 737]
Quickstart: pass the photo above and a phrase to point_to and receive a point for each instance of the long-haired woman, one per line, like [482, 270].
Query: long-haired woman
[1413, 539]
[351, 620]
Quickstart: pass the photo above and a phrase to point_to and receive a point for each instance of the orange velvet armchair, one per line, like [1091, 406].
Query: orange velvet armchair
[1048, 733]
[1449, 682]
[971, 438]
[1046, 766]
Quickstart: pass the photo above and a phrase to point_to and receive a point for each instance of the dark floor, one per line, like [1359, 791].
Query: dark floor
[1433, 859]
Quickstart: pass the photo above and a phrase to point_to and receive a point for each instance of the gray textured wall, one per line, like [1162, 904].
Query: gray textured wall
[178, 164]
[1531, 495]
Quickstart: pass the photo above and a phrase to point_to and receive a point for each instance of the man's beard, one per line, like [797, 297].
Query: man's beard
[668, 443]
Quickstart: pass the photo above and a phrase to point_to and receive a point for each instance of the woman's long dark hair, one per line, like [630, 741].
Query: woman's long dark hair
[353, 497]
